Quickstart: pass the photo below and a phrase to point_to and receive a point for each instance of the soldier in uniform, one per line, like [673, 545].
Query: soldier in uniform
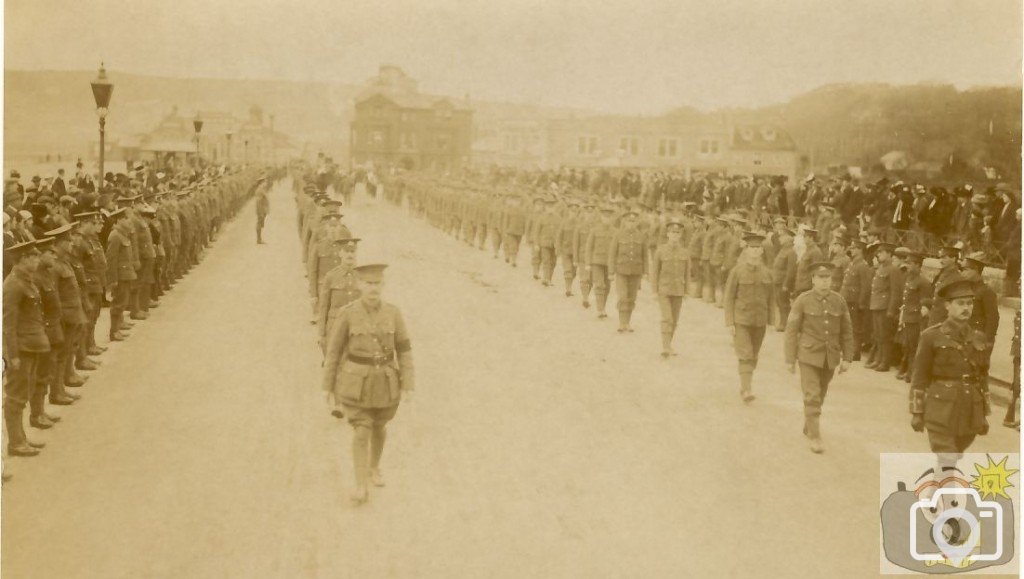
[581, 231]
[72, 313]
[784, 262]
[669, 276]
[915, 291]
[537, 214]
[696, 246]
[598, 242]
[339, 287]
[949, 394]
[49, 377]
[91, 254]
[369, 368]
[709, 263]
[495, 216]
[514, 226]
[949, 271]
[801, 276]
[856, 290]
[565, 242]
[24, 343]
[819, 335]
[749, 308]
[985, 314]
[120, 273]
[627, 258]
[883, 313]
[545, 230]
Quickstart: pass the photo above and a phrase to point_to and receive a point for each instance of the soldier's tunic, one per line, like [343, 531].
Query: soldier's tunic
[94, 262]
[143, 242]
[937, 313]
[565, 242]
[598, 242]
[627, 257]
[369, 362]
[802, 281]
[819, 335]
[696, 246]
[708, 266]
[580, 233]
[48, 376]
[748, 301]
[73, 317]
[669, 276]
[495, 217]
[985, 317]
[323, 255]
[948, 387]
[338, 289]
[546, 231]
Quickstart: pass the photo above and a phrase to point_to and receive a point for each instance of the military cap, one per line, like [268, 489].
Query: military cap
[25, 214]
[958, 288]
[67, 199]
[127, 200]
[753, 239]
[332, 203]
[370, 271]
[858, 244]
[62, 231]
[950, 251]
[116, 214]
[147, 210]
[330, 215]
[22, 249]
[822, 268]
[673, 224]
[901, 251]
[914, 257]
[976, 260]
[346, 240]
[45, 243]
[885, 246]
[86, 215]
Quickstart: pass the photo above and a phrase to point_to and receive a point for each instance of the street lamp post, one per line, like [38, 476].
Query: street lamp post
[197, 124]
[101, 91]
[228, 134]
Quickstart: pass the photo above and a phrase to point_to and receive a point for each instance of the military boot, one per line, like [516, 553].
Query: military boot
[666, 344]
[746, 381]
[17, 442]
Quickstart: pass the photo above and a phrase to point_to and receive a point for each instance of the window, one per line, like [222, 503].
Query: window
[708, 147]
[586, 145]
[629, 146]
[668, 147]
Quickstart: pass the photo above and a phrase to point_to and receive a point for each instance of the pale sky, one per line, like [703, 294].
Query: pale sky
[642, 56]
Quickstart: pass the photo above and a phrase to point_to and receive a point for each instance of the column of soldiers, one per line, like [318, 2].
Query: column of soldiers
[60, 280]
[837, 297]
[367, 359]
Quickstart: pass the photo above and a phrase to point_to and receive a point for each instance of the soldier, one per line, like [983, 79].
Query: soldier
[581, 231]
[143, 243]
[24, 343]
[985, 315]
[565, 241]
[801, 275]
[915, 292]
[90, 253]
[368, 368]
[495, 216]
[669, 276]
[598, 242]
[536, 216]
[819, 335]
[723, 241]
[545, 230]
[785, 262]
[120, 273]
[514, 226]
[709, 266]
[837, 255]
[696, 245]
[339, 287]
[72, 313]
[949, 394]
[949, 271]
[883, 313]
[856, 290]
[627, 258]
[749, 308]
[49, 377]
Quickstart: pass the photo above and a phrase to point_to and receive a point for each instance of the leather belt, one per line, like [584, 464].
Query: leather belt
[377, 360]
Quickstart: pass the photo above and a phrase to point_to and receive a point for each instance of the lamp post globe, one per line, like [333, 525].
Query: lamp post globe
[102, 89]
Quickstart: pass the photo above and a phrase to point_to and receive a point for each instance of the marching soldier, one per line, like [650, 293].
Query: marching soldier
[949, 393]
[669, 276]
[627, 258]
[514, 226]
[339, 287]
[784, 262]
[24, 343]
[819, 335]
[565, 242]
[985, 314]
[545, 230]
[580, 233]
[856, 290]
[949, 271]
[709, 263]
[369, 369]
[598, 242]
[749, 299]
[495, 216]
[262, 208]
[696, 246]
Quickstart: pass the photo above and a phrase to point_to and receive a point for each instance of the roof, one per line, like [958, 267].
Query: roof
[414, 100]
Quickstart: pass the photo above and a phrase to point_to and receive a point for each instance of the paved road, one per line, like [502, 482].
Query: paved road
[541, 444]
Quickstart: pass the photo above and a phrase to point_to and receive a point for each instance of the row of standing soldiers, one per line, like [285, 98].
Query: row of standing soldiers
[61, 279]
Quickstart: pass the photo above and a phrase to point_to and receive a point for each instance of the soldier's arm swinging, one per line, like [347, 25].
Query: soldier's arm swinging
[336, 346]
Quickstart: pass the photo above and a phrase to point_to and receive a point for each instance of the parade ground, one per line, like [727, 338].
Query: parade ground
[540, 442]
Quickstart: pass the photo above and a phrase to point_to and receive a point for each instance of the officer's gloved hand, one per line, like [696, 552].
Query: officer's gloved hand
[917, 423]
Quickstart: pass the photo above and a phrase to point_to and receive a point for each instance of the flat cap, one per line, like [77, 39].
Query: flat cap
[958, 288]
[21, 249]
[371, 271]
